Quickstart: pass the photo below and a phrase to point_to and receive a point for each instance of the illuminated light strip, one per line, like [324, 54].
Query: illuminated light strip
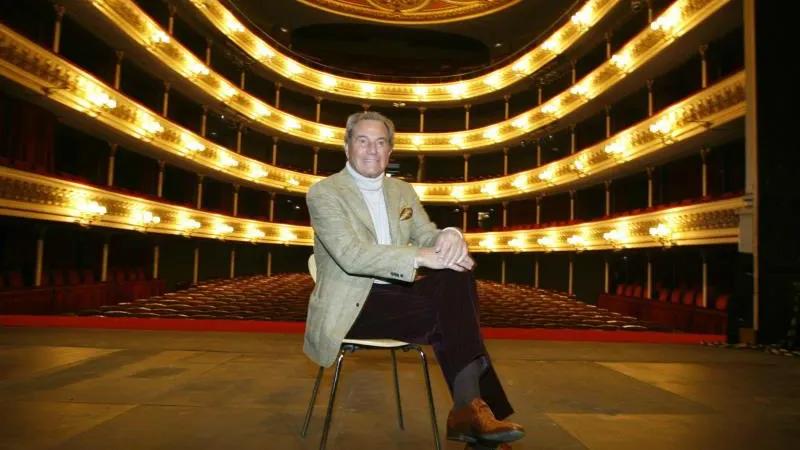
[562, 39]
[35, 196]
[203, 151]
[598, 81]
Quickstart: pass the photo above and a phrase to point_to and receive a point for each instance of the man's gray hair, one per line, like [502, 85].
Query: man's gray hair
[368, 115]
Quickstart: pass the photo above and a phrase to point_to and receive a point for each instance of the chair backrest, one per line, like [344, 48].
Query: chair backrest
[312, 267]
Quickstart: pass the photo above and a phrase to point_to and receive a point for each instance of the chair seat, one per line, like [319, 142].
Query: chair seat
[377, 343]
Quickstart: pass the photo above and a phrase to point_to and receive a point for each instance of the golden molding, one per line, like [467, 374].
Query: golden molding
[285, 66]
[677, 19]
[34, 196]
[35, 68]
[411, 12]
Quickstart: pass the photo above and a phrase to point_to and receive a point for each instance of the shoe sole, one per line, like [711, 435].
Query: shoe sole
[489, 438]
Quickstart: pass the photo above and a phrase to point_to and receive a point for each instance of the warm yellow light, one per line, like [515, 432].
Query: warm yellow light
[582, 17]
[521, 122]
[88, 207]
[150, 125]
[191, 144]
[489, 243]
[492, 133]
[286, 235]
[197, 68]
[457, 191]
[96, 95]
[663, 126]
[549, 109]
[291, 123]
[420, 190]
[616, 236]
[522, 66]
[521, 182]
[622, 60]
[493, 80]
[263, 52]
[548, 174]
[546, 241]
[258, 172]
[189, 224]
[159, 37]
[232, 24]
[294, 68]
[660, 231]
[490, 188]
[260, 110]
[580, 90]
[420, 91]
[325, 133]
[516, 242]
[223, 228]
[227, 91]
[227, 160]
[417, 140]
[576, 241]
[579, 166]
[144, 217]
[550, 44]
[255, 233]
[328, 81]
[457, 90]
[667, 21]
[617, 147]
[457, 140]
[367, 88]
[293, 182]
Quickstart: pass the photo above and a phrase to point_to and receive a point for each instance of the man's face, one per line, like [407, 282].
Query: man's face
[368, 151]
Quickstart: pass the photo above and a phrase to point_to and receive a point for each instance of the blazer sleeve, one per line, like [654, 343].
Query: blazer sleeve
[354, 255]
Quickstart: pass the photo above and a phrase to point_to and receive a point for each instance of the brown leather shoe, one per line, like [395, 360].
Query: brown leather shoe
[476, 422]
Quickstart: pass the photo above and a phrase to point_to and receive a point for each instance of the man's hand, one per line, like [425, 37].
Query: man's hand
[428, 257]
[451, 247]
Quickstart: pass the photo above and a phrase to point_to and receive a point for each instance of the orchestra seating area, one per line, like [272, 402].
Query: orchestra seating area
[680, 308]
[284, 298]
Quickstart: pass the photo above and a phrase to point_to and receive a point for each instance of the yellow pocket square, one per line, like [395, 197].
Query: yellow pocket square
[406, 213]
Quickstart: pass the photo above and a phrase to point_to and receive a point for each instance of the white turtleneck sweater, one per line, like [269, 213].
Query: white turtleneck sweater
[372, 190]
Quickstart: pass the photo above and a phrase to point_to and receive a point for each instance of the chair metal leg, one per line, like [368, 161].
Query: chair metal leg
[329, 414]
[397, 390]
[436, 441]
[310, 409]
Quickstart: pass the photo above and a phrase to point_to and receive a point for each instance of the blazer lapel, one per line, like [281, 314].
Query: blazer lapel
[392, 198]
[353, 196]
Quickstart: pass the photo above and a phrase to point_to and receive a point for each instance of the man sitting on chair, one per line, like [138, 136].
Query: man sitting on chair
[371, 234]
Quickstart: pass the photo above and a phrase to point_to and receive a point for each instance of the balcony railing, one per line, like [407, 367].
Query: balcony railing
[34, 196]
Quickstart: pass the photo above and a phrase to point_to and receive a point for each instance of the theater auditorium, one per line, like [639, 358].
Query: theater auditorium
[622, 171]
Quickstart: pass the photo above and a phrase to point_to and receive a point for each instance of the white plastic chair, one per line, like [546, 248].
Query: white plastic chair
[351, 346]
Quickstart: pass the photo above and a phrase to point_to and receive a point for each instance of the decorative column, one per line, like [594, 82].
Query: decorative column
[156, 258]
[208, 52]
[160, 186]
[165, 99]
[421, 119]
[538, 209]
[236, 200]
[37, 278]
[242, 78]
[505, 214]
[118, 69]
[274, 150]
[705, 281]
[269, 264]
[112, 152]
[196, 267]
[315, 168]
[239, 135]
[420, 168]
[171, 20]
[60, 10]
[277, 95]
[572, 205]
[571, 274]
[199, 199]
[608, 44]
[272, 196]
[503, 270]
[649, 291]
[608, 121]
[466, 116]
[466, 166]
[574, 72]
[539, 95]
[536, 272]
[650, 171]
[507, 97]
[649, 98]
[464, 212]
[649, 11]
[538, 153]
[232, 271]
[204, 122]
[505, 161]
[319, 108]
[608, 197]
[605, 276]
[104, 261]
[704, 157]
[572, 141]
[703, 66]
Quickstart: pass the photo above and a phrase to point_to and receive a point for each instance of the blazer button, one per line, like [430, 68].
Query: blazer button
[358, 304]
